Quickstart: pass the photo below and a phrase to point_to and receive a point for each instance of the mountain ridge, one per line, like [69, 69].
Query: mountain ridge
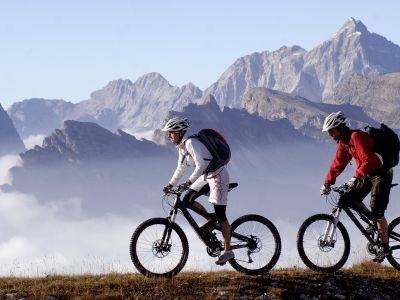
[10, 141]
[140, 106]
[305, 116]
[311, 74]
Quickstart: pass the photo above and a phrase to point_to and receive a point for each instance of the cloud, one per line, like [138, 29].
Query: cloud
[140, 134]
[33, 140]
[7, 162]
[58, 237]
[15, 248]
[61, 236]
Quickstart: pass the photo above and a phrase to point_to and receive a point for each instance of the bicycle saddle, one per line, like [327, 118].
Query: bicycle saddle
[232, 185]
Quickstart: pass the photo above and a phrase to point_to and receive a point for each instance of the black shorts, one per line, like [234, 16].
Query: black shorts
[379, 186]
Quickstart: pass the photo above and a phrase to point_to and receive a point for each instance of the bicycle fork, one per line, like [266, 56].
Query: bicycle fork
[330, 229]
[168, 229]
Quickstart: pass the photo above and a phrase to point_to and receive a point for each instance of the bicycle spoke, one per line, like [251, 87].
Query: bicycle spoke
[261, 249]
[153, 256]
[394, 243]
[320, 252]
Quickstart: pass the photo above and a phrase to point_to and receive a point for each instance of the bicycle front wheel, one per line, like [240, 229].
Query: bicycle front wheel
[321, 245]
[256, 244]
[159, 248]
[394, 243]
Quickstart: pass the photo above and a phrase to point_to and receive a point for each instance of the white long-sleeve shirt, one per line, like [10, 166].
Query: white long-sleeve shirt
[193, 152]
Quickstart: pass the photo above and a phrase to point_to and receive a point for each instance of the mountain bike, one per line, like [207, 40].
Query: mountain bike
[324, 244]
[159, 246]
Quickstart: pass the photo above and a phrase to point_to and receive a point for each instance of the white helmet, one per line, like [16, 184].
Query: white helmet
[333, 120]
[176, 124]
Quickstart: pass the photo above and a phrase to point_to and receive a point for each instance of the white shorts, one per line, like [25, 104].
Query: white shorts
[219, 185]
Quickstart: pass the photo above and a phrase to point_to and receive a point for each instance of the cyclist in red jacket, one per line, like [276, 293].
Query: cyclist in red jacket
[369, 175]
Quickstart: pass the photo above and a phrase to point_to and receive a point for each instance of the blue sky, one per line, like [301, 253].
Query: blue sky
[66, 49]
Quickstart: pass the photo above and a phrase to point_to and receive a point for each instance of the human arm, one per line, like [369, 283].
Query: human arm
[339, 163]
[200, 156]
[180, 169]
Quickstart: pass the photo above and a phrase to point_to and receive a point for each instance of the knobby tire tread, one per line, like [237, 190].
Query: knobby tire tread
[300, 246]
[275, 234]
[392, 261]
[140, 229]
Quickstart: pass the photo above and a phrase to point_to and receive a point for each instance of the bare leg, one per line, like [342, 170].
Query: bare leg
[226, 233]
[201, 208]
[383, 229]
[360, 206]
[382, 223]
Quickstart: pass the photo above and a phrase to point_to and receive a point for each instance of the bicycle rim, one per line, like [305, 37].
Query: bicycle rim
[394, 243]
[315, 251]
[262, 253]
[153, 258]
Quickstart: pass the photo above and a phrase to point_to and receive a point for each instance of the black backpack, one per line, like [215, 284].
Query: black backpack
[217, 146]
[386, 144]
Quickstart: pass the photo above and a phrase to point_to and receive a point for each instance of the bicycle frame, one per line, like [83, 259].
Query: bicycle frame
[330, 229]
[205, 238]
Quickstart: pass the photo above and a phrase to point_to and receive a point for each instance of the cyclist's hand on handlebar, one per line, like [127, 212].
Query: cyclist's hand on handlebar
[167, 188]
[354, 183]
[185, 186]
[325, 189]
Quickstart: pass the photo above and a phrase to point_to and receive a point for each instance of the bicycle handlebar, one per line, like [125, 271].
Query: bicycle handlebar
[340, 188]
[178, 191]
[174, 191]
[345, 187]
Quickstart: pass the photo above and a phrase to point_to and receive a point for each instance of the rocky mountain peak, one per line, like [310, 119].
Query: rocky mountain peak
[86, 141]
[352, 25]
[239, 127]
[311, 74]
[117, 88]
[377, 95]
[190, 88]
[152, 80]
[119, 84]
[304, 115]
[39, 116]
[285, 50]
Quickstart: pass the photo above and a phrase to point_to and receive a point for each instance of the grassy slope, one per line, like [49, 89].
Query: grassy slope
[364, 281]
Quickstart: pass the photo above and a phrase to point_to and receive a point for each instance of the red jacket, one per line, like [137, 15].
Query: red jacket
[359, 147]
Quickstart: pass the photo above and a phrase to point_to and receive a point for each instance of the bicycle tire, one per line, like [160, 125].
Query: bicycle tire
[312, 262]
[394, 257]
[147, 235]
[264, 257]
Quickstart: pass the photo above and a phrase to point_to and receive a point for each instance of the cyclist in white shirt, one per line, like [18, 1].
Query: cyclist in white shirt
[193, 152]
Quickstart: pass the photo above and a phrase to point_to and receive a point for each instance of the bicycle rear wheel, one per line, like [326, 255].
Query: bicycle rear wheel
[256, 244]
[317, 253]
[159, 248]
[394, 243]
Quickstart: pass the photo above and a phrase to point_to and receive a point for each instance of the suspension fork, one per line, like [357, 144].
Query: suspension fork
[330, 228]
[168, 228]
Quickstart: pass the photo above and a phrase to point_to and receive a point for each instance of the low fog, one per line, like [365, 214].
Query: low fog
[76, 220]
